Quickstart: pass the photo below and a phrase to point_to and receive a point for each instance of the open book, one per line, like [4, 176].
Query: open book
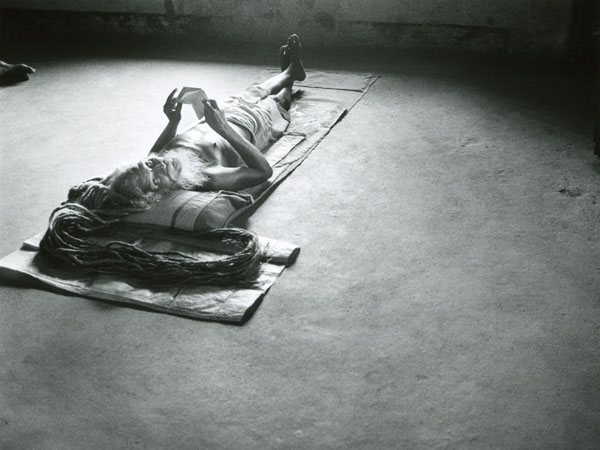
[193, 96]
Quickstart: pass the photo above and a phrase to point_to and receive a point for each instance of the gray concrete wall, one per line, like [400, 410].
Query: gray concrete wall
[515, 26]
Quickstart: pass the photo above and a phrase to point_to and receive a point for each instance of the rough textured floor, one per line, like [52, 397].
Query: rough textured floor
[447, 295]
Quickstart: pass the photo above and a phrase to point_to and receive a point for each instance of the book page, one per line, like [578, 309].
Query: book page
[193, 96]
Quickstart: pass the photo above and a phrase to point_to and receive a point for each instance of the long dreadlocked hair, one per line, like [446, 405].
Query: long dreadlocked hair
[69, 241]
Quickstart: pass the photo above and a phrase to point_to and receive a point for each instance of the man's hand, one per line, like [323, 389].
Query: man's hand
[172, 108]
[215, 118]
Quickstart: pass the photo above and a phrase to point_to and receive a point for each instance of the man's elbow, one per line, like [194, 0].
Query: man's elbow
[267, 173]
[263, 174]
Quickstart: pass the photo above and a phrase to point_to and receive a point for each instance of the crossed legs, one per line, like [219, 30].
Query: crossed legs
[280, 85]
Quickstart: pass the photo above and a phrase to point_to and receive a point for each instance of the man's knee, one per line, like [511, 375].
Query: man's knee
[254, 94]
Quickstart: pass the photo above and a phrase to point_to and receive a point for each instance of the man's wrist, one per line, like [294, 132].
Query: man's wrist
[226, 131]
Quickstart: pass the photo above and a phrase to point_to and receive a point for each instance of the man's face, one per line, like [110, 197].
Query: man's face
[158, 174]
[150, 179]
[154, 174]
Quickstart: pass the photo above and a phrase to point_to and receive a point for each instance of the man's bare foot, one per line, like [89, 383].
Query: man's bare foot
[13, 73]
[292, 52]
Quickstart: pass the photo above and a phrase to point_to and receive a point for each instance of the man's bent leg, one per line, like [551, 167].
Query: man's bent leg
[289, 54]
[267, 119]
[275, 84]
[294, 71]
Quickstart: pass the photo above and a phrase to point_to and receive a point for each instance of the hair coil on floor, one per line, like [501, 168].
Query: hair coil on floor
[68, 241]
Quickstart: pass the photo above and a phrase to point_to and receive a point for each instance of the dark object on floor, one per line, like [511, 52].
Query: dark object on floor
[14, 73]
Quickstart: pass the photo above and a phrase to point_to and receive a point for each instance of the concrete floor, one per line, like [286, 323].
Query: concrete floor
[447, 295]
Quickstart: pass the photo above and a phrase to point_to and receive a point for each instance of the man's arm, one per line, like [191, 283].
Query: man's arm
[235, 178]
[172, 110]
[168, 133]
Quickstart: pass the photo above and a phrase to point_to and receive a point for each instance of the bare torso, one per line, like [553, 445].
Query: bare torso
[209, 145]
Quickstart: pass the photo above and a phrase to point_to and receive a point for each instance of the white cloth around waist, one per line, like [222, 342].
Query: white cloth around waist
[264, 118]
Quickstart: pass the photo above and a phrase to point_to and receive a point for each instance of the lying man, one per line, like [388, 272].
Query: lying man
[221, 152]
